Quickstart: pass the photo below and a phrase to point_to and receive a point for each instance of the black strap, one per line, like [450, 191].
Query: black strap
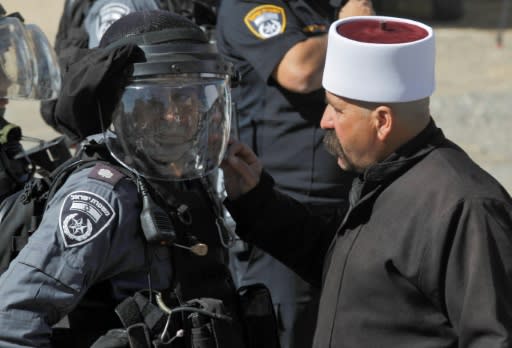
[138, 309]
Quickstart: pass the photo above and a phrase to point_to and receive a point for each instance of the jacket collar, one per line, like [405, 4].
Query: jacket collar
[384, 172]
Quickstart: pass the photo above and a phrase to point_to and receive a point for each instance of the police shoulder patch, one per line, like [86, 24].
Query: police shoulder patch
[83, 216]
[266, 21]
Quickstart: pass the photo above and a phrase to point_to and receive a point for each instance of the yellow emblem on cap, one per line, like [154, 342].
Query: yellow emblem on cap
[266, 21]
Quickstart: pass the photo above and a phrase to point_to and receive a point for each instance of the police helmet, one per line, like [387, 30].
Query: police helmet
[28, 64]
[172, 120]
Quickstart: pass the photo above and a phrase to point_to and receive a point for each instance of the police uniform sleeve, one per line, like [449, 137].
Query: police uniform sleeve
[259, 32]
[105, 12]
[88, 233]
[474, 263]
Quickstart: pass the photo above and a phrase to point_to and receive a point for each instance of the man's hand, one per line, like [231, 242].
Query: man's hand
[356, 8]
[242, 170]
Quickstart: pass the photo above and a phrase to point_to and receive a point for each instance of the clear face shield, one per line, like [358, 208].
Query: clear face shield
[47, 78]
[28, 65]
[172, 128]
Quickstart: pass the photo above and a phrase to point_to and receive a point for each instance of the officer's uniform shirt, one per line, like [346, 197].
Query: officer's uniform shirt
[89, 233]
[281, 126]
[105, 12]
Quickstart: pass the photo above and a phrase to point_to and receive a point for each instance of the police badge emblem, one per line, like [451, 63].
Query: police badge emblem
[83, 216]
[266, 21]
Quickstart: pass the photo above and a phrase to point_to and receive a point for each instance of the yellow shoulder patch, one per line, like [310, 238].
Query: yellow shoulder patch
[266, 21]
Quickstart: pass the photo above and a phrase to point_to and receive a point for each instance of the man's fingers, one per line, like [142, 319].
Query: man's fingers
[242, 169]
[248, 176]
[242, 151]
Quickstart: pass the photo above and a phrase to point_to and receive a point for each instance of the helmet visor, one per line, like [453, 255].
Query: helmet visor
[47, 78]
[172, 128]
[16, 72]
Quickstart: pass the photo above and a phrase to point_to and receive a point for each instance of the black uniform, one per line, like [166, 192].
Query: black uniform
[283, 129]
[422, 259]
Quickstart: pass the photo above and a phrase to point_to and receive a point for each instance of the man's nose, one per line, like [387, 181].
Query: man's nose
[327, 121]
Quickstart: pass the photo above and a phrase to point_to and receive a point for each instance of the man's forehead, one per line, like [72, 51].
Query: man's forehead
[331, 98]
[341, 102]
[328, 97]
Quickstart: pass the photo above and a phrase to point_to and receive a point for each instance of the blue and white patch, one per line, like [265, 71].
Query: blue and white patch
[83, 216]
[107, 15]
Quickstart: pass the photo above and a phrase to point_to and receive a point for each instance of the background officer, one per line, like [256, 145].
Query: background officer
[279, 48]
[81, 26]
[103, 13]
[28, 70]
[108, 232]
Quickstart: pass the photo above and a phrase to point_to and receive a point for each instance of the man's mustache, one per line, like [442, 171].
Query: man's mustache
[332, 144]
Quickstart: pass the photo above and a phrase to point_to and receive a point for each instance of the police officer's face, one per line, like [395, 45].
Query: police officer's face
[350, 133]
[181, 116]
[167, 125]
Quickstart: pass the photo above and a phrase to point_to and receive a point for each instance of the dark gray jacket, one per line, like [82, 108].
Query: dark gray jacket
[89, 234]
[422, 259]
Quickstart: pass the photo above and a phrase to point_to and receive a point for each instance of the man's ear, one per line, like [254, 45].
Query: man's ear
[383, 117]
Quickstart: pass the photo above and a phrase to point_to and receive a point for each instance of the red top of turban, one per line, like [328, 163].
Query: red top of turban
[381, 32]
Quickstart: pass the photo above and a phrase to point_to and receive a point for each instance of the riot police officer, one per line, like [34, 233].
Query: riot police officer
[157, 95]
[28, 70]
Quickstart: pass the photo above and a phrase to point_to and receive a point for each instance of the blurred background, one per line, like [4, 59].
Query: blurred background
[473, 99]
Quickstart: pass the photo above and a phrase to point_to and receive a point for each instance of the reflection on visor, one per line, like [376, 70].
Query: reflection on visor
[47, 79]
[172, 130]
[28, 65]
[15, 67]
